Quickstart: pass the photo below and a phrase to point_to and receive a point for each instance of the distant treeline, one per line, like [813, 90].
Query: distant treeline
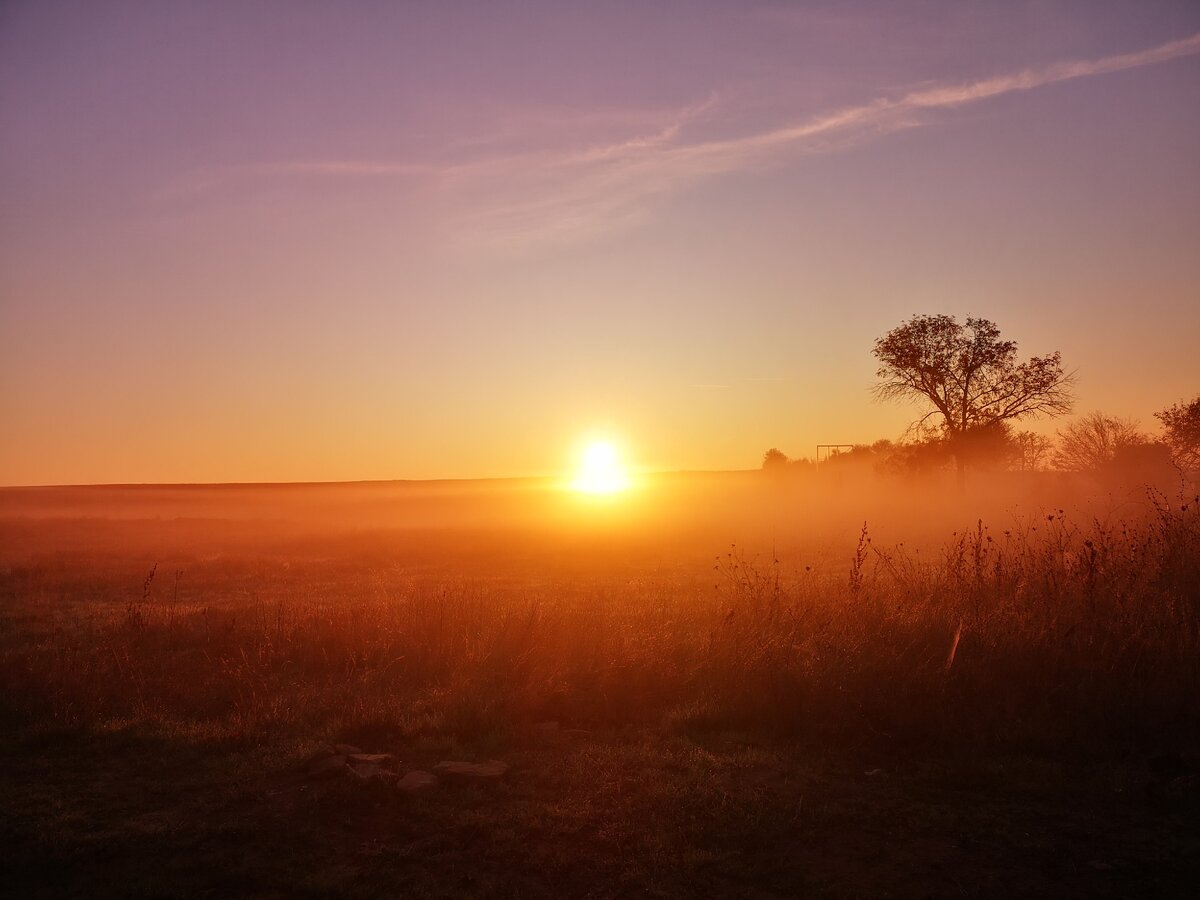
[1095, 444]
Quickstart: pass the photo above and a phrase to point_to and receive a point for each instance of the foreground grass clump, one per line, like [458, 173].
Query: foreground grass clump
[1046, 632]
[1043, 633]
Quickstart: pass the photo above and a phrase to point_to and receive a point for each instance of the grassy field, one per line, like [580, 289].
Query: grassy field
[719, 685]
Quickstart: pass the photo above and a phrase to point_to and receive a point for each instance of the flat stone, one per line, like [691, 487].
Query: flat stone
[328, 767]
[417, 781]
[370, 772]
[347, 749]
[373, 759]
[493, 768]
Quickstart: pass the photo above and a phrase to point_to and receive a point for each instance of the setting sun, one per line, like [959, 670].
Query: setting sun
[706, 449]
[601, 470]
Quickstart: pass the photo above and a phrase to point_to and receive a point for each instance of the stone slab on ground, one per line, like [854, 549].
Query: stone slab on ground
[373, 759]
[417, 781]
[483, 771]
[370, 772]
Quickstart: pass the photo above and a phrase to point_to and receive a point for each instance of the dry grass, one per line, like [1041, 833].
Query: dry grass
[977, 719]
[1046, 632]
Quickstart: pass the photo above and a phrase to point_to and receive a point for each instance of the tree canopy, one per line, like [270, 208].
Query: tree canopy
[1096, 441]
[774, 459]
[968, 377]
[1182, 425]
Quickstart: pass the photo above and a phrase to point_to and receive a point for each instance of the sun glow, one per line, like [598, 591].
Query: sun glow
[601, 470]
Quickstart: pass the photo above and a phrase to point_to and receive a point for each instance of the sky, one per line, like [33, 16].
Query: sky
[305, 241]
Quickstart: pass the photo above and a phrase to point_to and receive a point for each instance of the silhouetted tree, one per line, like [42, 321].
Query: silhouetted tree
[1031, 451]
[990, 446]
[1096, 441]
[916, 458]
[774, 460]
[1182, 425]
[970, 379]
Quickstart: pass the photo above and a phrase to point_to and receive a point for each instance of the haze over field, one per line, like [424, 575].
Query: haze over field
[545, 450]
[260, 242]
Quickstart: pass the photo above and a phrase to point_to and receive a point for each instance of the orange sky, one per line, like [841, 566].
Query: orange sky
[254, 242]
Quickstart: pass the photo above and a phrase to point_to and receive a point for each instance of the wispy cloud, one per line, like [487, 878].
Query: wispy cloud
[535, 196]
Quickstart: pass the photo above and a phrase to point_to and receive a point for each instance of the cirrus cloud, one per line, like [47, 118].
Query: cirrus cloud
[546, 191]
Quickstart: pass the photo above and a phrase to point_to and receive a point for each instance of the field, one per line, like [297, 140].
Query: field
[715, 685]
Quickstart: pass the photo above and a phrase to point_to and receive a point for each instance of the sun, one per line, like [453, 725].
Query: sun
[600, 470]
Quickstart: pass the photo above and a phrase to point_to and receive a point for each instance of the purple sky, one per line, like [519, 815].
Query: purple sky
[292, 241]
